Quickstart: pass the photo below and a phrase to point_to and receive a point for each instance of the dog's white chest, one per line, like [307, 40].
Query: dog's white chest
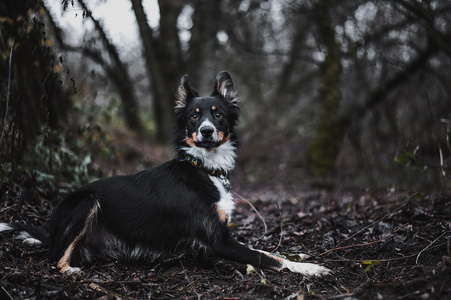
[226, 205]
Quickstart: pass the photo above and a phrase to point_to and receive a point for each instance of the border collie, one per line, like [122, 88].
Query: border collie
[181, 206]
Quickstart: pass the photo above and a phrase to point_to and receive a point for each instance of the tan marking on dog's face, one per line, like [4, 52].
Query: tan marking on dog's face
[197, 110]
[223, 138]
[190, 140]
[223, 216]
[213, 107]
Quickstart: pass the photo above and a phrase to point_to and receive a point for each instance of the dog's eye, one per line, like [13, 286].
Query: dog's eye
[218, 115]
[194, 117]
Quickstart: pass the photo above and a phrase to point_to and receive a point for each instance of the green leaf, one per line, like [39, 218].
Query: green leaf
[370, 264]
[292, 257]
[403, 157]
[250, 269]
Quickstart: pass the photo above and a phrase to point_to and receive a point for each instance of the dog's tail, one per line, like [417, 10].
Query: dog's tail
[29, 235]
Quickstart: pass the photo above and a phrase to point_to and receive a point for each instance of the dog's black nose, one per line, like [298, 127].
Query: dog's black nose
[206, 131]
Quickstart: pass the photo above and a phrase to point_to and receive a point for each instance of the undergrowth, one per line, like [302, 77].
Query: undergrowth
[63, 159]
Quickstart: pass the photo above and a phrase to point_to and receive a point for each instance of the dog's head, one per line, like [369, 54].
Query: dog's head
[206, 122]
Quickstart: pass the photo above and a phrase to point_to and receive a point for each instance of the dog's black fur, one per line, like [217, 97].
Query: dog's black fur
[162, 213]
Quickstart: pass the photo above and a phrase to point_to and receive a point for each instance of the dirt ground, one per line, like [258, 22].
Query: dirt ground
[379, 244]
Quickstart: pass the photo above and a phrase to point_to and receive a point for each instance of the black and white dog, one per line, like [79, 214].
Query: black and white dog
[181, 206]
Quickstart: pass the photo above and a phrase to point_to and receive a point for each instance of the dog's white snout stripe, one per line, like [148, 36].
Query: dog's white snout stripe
[207, 125]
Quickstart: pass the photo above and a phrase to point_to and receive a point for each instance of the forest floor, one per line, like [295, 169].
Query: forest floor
[379, 244]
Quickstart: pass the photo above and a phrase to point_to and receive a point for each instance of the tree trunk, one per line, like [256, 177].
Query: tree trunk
[203, 43]
[121, 78]
[325, 147]
[162, 59]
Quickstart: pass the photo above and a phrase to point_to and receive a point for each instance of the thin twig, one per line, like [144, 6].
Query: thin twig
[281, 233]
[8, 93]
[365, 244]
[10, 297]
[377, 221]
[3, 41]
[381, 260]
[258, 214]
[447, 131]
[442, 163]
[98, 288]
[419, 253]
[442, 166]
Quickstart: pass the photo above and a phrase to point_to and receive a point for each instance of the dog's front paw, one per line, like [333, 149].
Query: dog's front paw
[307, 269]
[70, 271]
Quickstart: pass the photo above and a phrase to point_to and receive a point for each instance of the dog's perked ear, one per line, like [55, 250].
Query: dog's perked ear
[185, 93]
[224, 87]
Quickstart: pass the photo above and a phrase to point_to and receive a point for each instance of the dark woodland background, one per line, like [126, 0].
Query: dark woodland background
[345, 122]
[334, 93]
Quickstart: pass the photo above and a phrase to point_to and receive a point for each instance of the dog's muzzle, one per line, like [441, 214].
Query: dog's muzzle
[208, 137]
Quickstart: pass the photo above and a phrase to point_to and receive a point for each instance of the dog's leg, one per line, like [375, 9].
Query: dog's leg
[64, 262]
[307, 269]
[232, 250]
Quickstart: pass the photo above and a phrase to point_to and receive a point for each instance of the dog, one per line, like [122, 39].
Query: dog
[181, 206]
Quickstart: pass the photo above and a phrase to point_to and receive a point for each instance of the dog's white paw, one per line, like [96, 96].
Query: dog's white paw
[306, 269]
[72, 271]
[6, 227]
[28, 240]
